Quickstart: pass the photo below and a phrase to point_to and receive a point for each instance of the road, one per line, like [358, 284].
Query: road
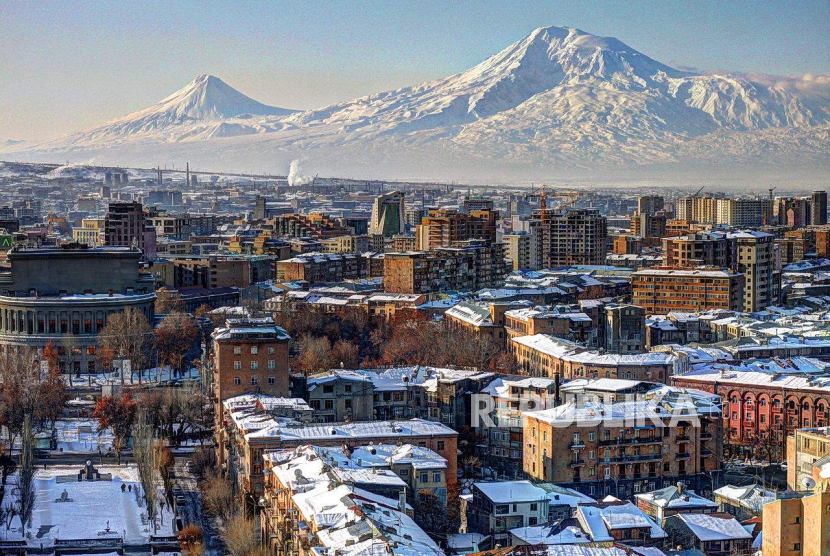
[193, 512]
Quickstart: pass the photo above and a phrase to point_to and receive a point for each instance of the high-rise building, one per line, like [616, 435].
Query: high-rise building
[570, 237]
[650, 204]
[388, 214]
[442, 227]
[521, 250]
[126, 225]
[465, 266]
[754, 256]
[818, 208]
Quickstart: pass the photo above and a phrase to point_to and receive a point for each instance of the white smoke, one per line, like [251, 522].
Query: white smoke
[294, 177]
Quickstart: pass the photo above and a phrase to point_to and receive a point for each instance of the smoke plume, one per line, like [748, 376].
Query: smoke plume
[294, 176]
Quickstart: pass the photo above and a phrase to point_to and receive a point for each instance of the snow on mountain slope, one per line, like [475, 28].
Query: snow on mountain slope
[180, 115]
[558, 97]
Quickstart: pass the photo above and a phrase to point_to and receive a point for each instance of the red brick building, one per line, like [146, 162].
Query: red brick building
[765, 400]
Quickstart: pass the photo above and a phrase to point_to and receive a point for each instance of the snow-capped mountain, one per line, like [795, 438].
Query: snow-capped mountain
[558, 98]
[200, 109]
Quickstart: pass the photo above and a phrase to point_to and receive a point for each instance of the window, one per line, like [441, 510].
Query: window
[398, 396]
[315, 404]
[254, 380]
[534, 507]
[329, 404]
[348, 403]
[424, 477]
[328, 389]
[531, 521]
[797, 519]
[271, 350]
[237, 365]
[254, 365]
[404, 472]
[436, 477]
[237, 350]
[440, 445]
[501, 510]
[271, 380]
[348, 388]
[272, 364]
[237, 380]
[591, 436]
[254, 350]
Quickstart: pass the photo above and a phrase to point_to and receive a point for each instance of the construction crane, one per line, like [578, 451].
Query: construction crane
[542, 195]
[771, 189]
[696, 193]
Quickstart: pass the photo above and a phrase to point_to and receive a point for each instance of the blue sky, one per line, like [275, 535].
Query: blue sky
[65, 66]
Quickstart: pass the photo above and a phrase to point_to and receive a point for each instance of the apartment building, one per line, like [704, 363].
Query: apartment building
[126, 225]
[443, 227]
[498, 507]
[244, 437]
[546, 356]
[808, 450]
[339, 396]
[601, 449]
[470, 266]
[249, 356]
[319, 267]
[306, 486]
[570, 237]
[625, 327]
[663, 290]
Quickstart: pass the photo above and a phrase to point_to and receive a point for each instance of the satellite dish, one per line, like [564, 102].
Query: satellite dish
[808, 482]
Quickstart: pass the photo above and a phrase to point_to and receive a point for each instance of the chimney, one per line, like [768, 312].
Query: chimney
[402, 501]
[680, 487]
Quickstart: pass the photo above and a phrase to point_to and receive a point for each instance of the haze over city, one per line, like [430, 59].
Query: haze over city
[414, 279]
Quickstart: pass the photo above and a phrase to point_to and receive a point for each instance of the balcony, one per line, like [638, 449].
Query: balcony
[576, 463]
[682, 456]
[632, 459]
[576, 444]
[630, 441]
[706, 436]
[707, 453]
[682, 438]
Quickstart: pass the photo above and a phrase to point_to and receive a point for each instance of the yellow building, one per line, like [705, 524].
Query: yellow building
[90, 232]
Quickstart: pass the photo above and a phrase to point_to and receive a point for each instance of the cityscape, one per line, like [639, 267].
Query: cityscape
[569, 302]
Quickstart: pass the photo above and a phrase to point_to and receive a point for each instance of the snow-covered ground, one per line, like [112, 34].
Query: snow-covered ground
[98, 509]
[82, 437]
[154, 375]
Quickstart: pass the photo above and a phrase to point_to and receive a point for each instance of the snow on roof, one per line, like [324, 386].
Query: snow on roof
[511, 491]
[601, 384]
[550, 535]
[671, 497]
[570, 351]
[752, 497]
[363, 429]
[601, 518]
[773, 373]
[470, 313]
[646, 411]
[714, 527]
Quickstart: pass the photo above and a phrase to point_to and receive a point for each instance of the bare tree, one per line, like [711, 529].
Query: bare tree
[174, 337]
[240, 536]
[144, 455]
[26, 476]
[218, 498]
[19, 390]
[127, 335]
